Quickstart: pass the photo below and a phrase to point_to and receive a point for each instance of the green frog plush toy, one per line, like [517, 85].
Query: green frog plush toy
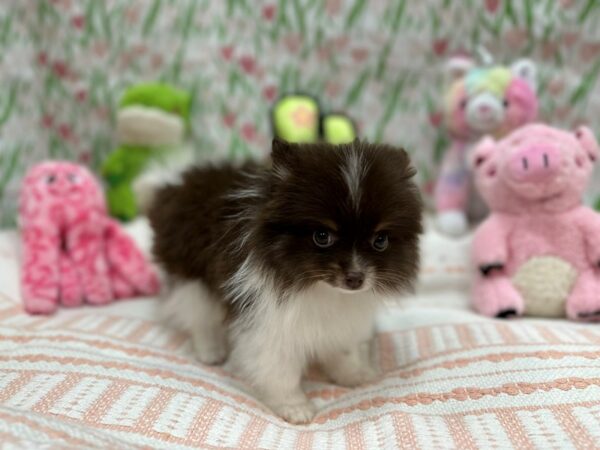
[152, 123]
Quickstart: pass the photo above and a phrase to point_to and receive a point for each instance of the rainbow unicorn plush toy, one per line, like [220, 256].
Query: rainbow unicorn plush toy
[489, 100]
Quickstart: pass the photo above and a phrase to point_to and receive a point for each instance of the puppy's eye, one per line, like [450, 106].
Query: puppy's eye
[323, 239]
[50, 178]
[463, 104]
[380, 242]
[505, 103]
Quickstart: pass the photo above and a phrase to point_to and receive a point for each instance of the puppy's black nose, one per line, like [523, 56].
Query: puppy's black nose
[355, 280]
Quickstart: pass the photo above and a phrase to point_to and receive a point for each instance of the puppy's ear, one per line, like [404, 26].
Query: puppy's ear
[284, 156]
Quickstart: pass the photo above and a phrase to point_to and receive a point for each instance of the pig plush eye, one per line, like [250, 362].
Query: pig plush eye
[73, 178]
[463, 104]
[505, 103]
[50, 178]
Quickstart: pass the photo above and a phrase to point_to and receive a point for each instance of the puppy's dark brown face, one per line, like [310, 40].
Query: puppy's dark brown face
[347, 215]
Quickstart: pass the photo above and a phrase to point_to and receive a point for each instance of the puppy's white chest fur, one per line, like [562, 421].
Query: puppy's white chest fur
[317, 321]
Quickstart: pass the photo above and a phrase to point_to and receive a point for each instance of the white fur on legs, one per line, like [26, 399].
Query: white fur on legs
[351, 367]
[275, 375]
[452, 223]
[191, 307]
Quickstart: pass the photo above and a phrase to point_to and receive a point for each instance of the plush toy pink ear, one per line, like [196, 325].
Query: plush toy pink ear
[588, 141]
[458, 66]
[481, 152]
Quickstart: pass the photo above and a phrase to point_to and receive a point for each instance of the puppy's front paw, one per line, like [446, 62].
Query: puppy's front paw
[357, 376]
[210, 349]
[297, 413]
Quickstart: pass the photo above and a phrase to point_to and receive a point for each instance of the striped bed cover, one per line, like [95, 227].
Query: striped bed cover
[114, 378]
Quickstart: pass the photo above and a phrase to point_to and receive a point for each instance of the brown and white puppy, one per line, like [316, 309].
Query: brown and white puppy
[286, 265]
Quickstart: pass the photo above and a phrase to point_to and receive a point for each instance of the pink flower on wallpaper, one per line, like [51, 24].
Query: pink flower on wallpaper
[156, 61]
[332, 89]
[440, 46]
[81, 95]
[570, 38]
[47, 121]
[60, 69]
[42, 58]
[492, 5]
[247, 63]
[292, 42]
[268, 12]
[229, 120]
[516, 37]
[227, 52]
[436, 118]
[359, 54]
[248, 132]
[85, 157]
[270, 92]
[333, 7]
[589, 51]
[567, 3]
[78, 21]
[556, 86]
[99, 48]
[65, 132]
[549, 49]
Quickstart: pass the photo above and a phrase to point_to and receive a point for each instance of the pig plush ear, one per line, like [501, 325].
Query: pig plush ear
[526, 70]
[481, 152]
[588, 141]
[458, 66]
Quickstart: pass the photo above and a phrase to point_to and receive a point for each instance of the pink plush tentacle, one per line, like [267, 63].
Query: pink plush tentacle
[71, 293]
[39, 270]
[128, 260]
[86, 247]
[121, 287]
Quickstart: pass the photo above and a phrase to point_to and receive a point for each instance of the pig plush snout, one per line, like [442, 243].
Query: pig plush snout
[535, 163]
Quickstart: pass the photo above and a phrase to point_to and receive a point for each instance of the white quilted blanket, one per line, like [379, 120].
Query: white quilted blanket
[112, 377]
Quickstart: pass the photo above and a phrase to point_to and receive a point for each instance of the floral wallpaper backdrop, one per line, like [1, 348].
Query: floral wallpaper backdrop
[64, 64]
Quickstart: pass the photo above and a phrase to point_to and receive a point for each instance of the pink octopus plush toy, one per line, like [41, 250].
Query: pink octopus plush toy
[539, 251]
[72, 250]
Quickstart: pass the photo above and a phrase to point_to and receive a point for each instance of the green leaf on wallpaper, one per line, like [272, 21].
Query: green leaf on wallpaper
[355, 12]
[105, 21]
[382, 60]
[587, 9]
[151, 17]
[529, 15]
[9, 165]
[299, 11]
[10, 103]
[509, 11]
[390, 106]
[5, 29]
[586, 85]
[358, 87]
[188, 20]
[398, 14]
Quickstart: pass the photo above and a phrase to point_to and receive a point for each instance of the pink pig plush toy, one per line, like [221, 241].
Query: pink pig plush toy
[539, 251]
[72, 251]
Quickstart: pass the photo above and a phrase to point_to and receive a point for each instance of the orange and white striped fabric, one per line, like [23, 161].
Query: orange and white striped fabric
[113, 377]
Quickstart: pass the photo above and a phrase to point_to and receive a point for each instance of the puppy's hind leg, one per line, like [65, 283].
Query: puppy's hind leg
[191, 307]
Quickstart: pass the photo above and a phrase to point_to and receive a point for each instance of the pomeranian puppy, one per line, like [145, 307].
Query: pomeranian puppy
[285, 265]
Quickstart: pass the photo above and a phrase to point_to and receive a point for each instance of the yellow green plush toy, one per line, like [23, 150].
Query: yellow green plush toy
[296, 118]
[152, 123]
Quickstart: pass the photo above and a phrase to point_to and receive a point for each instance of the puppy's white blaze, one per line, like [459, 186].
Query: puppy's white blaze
[353, 172]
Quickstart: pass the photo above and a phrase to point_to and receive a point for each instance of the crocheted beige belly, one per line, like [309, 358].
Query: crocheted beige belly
[545, 283]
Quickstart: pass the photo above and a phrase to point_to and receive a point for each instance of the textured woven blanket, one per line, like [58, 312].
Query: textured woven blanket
[113, 377]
